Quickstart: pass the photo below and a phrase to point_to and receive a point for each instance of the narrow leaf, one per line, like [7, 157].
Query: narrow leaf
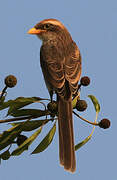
[21, 102]
[7, 137]
[31, 125]
[29, 112]
[24, 146]
[5, 155]
[2, 100]
[97, 108]
[74, 101]
[46, 141]
[5, 105]
[95, 103]
[78, 146]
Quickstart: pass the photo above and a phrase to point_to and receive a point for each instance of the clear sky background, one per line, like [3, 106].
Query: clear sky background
[93, 26]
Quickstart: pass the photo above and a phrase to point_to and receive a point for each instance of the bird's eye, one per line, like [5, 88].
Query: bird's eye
[46, 26]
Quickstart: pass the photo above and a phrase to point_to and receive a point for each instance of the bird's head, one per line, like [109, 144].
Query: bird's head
[50, 29]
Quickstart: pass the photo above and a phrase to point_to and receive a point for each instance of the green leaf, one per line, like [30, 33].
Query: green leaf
[78, 146]
[21, 102]
[95, 103]
[31, 125]
[7, 137]
[24, 146]
[74, 101]
[2, 100]
[5, 105]
[5, 155]
[46, 141]
[97, 109]
[29, 112]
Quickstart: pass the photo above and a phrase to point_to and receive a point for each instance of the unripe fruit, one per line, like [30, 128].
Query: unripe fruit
[85, 81]
[53, 107]
[20, 139]
[81, 105]
[10, 81]
[104, 123]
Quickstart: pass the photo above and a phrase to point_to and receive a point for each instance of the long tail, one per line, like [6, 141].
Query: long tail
[66, 135]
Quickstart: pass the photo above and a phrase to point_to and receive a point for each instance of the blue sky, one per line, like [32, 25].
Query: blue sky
[93, 26]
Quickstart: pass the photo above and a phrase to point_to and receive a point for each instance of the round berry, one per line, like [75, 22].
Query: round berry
[81, 105]
[85, 81]
[10, 81]
[20, 139]
[53, 107]
[104, 123]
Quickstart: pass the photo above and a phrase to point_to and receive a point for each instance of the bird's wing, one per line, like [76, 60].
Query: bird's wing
[52, 67]
[61, 75]
[73, 68]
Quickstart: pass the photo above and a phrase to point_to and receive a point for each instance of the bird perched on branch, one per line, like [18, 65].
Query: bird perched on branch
[61, 66]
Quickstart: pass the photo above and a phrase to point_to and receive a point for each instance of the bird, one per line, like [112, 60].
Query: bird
[61, 64]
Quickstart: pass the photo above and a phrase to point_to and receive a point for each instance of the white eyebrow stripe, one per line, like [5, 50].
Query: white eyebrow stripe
[54, 22]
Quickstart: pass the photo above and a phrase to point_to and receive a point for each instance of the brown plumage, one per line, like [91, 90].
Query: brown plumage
[61, 65]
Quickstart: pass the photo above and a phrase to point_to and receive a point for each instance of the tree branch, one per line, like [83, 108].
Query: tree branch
[93, 123]
[16, 119]
[3, 92]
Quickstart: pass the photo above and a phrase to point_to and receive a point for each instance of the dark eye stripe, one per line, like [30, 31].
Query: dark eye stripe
[46, 26]
[38, 26]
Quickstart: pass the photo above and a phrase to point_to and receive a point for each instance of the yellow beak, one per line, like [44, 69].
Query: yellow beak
[35, 31]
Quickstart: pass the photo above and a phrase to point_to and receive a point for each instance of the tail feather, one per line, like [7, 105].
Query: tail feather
[66, 136]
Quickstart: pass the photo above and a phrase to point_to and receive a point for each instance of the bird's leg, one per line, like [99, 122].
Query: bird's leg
[51, 96]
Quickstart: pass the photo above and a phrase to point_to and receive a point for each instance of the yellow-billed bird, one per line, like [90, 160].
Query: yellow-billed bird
[61, 66]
